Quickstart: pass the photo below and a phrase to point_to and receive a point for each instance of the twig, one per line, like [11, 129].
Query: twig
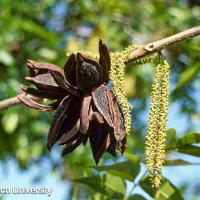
[9, 102]
[12, 102]
[135, 184]
[163, 43]
[138, 53]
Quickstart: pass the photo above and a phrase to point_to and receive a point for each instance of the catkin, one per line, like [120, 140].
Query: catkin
[117, 76]
[156, 131]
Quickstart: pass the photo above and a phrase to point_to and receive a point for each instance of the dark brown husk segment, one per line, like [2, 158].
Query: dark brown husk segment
[85, 108]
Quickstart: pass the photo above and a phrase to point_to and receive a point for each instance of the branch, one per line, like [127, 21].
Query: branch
[163, 43]
[12, 102]
[9, 103]
[141, 52]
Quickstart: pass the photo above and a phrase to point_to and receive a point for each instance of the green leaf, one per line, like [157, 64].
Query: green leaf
[36, 29]
[167, 190]
[189, 138]
[171, 138]
[131, 157]
[96, 196]
[48, 53]
[189, 149]
[136, 197]
[185, 144]
[127, 170]
[179, 162]
[112, 186]
[10, 122]
[6, 57]
[194, 48]
[187, 75]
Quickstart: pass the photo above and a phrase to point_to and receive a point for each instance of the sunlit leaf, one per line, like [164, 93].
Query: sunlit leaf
[167, 190]
[6, 58]
[189, 149]
[179, 162]
[131, 157]
[187, 75]
[10, 122]
[186, 144]
[109, 185]
[195, 48]
[171, 138]
[189, 138]
[127, 170]
[48, 53]
[97, 196]
[36, 149]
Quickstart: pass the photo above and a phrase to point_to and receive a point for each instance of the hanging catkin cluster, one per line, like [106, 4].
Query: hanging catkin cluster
[117, 75]
[156, 131]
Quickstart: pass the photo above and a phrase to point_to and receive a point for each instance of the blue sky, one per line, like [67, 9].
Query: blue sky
[11, 176]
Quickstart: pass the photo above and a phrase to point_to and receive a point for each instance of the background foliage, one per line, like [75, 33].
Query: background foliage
[45, 30]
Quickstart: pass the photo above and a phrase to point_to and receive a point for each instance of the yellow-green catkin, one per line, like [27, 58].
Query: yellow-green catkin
[156, 131]
[90, 54]
[117, 76]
